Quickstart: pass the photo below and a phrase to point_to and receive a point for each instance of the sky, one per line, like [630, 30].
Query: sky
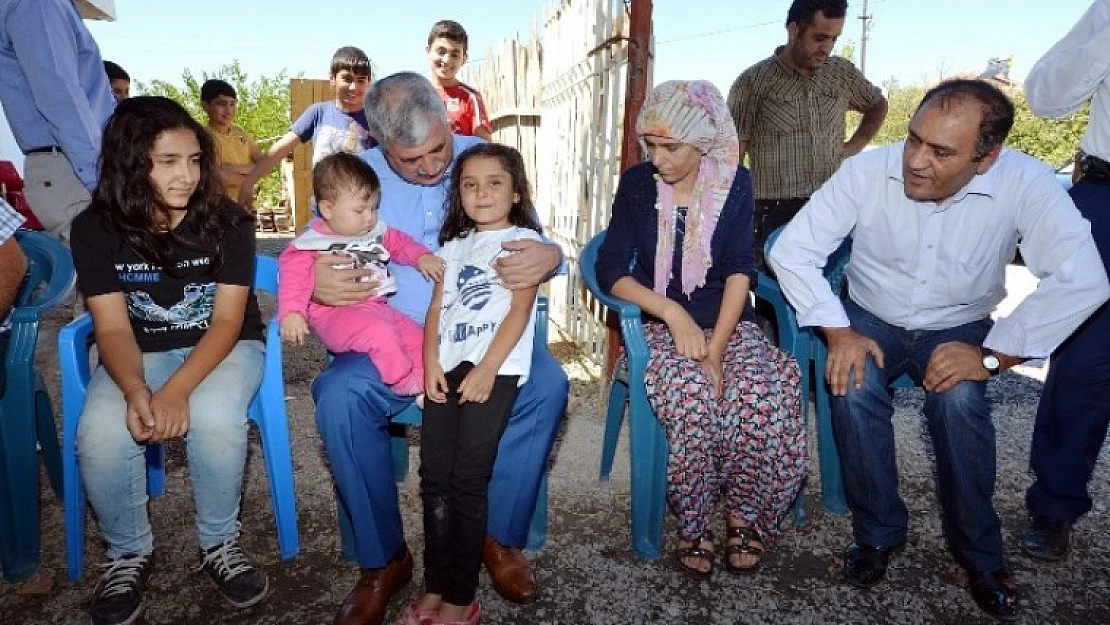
[913, 41]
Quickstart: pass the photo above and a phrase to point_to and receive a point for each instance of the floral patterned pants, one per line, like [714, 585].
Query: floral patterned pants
[747, 446]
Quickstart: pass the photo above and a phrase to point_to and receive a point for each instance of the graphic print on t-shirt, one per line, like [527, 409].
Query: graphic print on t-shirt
[191, 311]
[474, 290]
[331, 140]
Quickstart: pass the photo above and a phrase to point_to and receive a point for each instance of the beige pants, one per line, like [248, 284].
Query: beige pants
[54, 192]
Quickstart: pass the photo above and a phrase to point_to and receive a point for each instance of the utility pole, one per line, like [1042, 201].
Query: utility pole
[865, 25]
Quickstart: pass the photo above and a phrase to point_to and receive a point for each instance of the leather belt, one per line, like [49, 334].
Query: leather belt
[46, 148]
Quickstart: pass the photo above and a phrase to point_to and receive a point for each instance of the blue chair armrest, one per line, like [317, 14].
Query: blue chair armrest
[73, 361]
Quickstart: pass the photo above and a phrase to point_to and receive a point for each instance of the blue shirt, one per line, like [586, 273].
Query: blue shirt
[333, 130]
[418, 211]
[52, 82]
[922, 265]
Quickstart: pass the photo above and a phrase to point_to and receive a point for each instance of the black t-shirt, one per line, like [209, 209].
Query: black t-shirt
[167, 312]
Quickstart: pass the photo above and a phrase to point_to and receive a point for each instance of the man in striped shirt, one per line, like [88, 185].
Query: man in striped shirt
[789, 111]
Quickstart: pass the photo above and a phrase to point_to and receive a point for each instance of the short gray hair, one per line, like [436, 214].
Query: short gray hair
[403, 108]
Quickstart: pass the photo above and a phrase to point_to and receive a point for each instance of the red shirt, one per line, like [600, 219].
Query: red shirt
[465, 108]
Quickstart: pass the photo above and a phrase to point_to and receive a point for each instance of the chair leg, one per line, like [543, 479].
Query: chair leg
[273, 429]
[155, 469]
[48, 440]
[649, 476]
[73, 502]
[537, 530]
[614, 415]
[399, 451]
[832, 482]
[19, 497]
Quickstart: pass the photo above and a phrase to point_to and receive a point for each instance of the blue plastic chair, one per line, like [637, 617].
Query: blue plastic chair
[804, 344]
[647, 441]
[412, 416]
[26, 416]
[267, 410]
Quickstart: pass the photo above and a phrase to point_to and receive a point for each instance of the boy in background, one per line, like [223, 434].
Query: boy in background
[447, 44]
[336, 126]
[119, 80]
[236, 150]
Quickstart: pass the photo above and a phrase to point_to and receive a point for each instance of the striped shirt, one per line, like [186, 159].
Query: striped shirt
[793, 124]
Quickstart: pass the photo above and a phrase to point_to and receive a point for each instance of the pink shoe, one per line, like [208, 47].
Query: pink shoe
[411, 384]
[473, 616]
[413, 614]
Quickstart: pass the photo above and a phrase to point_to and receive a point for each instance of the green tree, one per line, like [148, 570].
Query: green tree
[1053, 141]
[901, 103]
[263, 110]
[847, 50]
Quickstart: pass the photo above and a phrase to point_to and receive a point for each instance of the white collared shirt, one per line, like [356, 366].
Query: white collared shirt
[1073, 71]
[924, 266]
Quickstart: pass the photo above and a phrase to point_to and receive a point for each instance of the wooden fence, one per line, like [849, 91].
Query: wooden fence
[559, 97]
[303, 93]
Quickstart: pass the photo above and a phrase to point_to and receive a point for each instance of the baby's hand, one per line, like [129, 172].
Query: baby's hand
[294, 328]
[431, 266]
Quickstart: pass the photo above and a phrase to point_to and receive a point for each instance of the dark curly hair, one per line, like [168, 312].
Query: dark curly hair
[128, 202]
[523, 213]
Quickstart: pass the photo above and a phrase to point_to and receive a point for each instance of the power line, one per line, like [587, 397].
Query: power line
[732, 29]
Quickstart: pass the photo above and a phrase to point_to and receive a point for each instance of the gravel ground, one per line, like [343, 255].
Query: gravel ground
[588, 572]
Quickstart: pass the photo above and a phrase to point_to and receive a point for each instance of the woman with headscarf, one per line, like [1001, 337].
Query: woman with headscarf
[680, 245]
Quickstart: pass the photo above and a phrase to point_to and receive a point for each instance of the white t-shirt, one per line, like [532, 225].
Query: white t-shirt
[475, 302]
[366, 252]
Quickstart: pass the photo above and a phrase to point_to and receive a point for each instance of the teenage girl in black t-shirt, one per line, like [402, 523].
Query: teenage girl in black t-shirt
[166, 265]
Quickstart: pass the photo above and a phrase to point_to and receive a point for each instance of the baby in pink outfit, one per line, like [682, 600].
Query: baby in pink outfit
[347, 195]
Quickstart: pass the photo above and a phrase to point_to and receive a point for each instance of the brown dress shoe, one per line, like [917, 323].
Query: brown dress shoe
[511, 573]
[375, 587]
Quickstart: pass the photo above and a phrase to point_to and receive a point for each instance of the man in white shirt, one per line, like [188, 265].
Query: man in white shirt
[1074, 411]
[934, 221]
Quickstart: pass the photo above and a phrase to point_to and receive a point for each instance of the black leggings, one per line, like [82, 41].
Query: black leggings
[458, 444]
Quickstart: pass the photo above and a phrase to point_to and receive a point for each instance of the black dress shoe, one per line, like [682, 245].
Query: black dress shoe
[865, 566]
[1046, 538]
[995, 593]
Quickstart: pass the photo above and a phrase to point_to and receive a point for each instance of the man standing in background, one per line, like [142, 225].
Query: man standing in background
[789, 111]
[57, 99]
[1074, 412]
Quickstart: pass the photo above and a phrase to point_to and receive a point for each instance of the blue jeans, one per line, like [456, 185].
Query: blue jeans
[113, 465]
[353, 411]
[961, 430]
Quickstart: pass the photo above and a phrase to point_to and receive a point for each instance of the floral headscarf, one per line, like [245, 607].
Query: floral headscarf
[692, 112]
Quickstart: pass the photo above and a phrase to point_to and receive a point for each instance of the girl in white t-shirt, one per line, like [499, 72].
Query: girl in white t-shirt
[477, 351]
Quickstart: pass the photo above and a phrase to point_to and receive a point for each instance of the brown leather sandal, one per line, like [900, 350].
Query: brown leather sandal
[750, 545]
[696, 551]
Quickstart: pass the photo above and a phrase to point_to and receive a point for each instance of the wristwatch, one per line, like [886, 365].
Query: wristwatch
[990, 361]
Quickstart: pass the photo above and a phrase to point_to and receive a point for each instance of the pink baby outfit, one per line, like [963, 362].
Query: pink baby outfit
[393, 341]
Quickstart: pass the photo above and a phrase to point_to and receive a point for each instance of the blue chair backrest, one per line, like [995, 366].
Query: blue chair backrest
[587, 264]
